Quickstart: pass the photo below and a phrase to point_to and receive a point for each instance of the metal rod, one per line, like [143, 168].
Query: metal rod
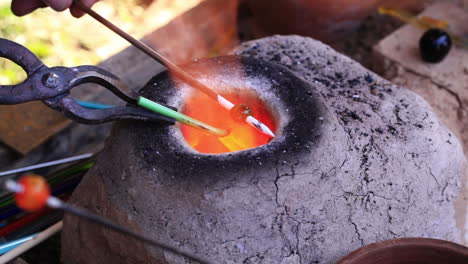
[89, 216]
[47, 164]
[174, 69]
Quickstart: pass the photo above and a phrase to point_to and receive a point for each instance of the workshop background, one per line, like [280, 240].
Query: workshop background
[185, 30]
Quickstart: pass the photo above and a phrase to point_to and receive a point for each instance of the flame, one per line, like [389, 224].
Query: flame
[242, 136]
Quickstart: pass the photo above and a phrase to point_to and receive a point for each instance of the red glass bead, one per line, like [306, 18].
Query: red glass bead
[35, 193]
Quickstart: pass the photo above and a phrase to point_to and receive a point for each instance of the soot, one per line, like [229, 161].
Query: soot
[161, 150]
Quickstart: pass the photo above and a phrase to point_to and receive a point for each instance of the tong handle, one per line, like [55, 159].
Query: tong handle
[20, 55]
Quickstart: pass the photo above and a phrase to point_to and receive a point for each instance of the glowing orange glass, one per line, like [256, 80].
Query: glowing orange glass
[241, 136]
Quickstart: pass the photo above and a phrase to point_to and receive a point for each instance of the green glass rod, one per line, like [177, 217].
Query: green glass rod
[161, 109]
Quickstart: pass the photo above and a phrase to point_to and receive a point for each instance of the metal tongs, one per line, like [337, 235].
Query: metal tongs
[53, 86]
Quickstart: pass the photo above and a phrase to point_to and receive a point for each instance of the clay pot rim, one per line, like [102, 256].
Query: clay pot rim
[371, 249]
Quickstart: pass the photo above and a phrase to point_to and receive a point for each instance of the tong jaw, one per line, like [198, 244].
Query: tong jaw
[70, 108]
[91, 74]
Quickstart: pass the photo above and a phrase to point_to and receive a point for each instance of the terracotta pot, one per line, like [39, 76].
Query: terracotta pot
[409, 251]
[326, 20]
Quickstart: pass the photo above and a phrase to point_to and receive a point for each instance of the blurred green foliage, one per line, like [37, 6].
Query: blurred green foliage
[61, 40]
[9, 72]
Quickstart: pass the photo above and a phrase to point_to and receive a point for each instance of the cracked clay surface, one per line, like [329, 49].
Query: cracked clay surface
[377, 165]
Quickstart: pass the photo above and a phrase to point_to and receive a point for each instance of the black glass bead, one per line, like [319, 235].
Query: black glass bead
[434, 45]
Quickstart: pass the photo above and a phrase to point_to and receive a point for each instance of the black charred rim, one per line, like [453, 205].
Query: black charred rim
[159, 149]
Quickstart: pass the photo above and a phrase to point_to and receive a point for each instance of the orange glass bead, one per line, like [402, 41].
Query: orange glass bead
[240, 112]
[35, 193]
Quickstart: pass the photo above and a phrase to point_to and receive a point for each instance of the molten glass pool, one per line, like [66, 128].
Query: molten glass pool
[241, 136]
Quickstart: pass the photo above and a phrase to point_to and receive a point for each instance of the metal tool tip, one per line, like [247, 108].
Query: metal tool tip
[260, 126]
[13, 186]
[267, 131]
